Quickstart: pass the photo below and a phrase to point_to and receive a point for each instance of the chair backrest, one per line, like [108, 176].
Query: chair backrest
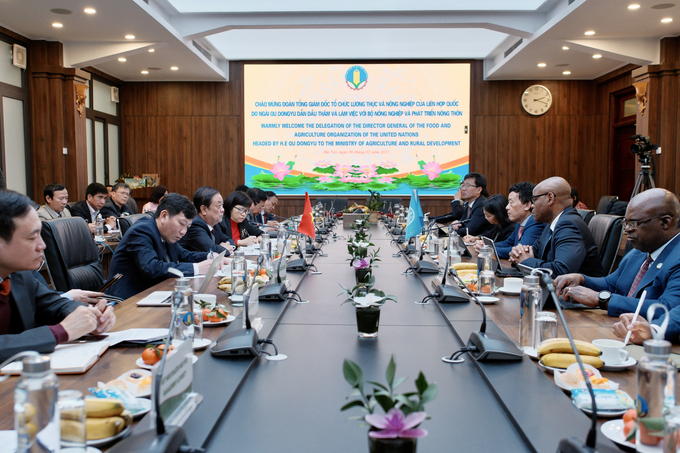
[607, 231]
[602, 204]
[132, 205]
[587, 214]
[339, 204]
[129, 220]
[389, 201]
[71, 255]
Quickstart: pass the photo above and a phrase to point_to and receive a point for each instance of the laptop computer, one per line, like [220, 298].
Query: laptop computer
[499, 269]
[211, 273]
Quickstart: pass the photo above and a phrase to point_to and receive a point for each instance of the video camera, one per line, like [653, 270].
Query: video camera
[642, 147]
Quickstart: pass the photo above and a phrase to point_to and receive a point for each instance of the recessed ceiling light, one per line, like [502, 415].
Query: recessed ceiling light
[174, 68]
[129, 36]
[634, 6]
[542, 65]
[666, 20]
[565, 48]
[566, 72]
[122, 59]
[597, 55]
[57, 25]
[145, 72]
[90, 11]
[589, 33]
[152, 50]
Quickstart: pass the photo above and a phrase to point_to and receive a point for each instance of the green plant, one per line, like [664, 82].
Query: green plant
[374, 202]
[363, 295]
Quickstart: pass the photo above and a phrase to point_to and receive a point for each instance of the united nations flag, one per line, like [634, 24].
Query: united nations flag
[414, 222]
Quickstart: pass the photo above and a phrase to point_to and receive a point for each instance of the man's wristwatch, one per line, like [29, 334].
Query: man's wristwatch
[603, 299]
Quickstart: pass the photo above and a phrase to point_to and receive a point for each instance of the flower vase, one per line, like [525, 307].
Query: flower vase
[362, 275]
[368, 319]
[397, 445]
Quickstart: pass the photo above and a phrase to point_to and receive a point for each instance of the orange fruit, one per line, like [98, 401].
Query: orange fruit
[646, 438]
[631, 414]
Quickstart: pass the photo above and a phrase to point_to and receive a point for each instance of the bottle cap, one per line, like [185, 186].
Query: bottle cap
[657, 347]
[36, 364]
[239, 253]
[181, 282]
[531, 280]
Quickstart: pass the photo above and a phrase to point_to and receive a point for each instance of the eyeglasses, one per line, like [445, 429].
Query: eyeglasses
[241, 210]
[466, 185]
[634, 224]
[534, 197]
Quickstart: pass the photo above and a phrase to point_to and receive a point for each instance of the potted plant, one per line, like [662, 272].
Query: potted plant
[367, 302]
[397, 429]
[374, 204]
[361, 258]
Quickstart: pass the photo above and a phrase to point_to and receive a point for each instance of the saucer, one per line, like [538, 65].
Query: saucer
[504, 290]
[487, 299]
[619, 366]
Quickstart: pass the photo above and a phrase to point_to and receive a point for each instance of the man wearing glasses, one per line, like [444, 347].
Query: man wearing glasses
[566, 244]
[116, 206]
[468, 205]
[652, 226]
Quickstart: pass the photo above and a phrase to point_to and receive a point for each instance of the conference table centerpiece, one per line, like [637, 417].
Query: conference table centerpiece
[367, 302]
[374, 204]
[361, 258]
[397, 429]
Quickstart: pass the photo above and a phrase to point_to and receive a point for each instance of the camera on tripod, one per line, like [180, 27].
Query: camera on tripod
[642, 147]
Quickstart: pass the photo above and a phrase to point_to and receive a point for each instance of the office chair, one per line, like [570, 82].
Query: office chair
[604, 201]
[387, 202]
[71, 255]
[587, 214]
[132, 205]
[607, 231]
[129, 220]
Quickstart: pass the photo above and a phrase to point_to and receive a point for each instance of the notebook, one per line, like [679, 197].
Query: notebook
[69, 358]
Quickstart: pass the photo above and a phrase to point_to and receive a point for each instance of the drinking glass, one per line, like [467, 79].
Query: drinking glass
[72, 411]
[546, 326]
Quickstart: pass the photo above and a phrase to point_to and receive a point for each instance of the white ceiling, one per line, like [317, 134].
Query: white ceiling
[233, 30]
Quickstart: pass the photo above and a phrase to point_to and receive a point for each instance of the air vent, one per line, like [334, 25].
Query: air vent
[512, 48]
[202, 49]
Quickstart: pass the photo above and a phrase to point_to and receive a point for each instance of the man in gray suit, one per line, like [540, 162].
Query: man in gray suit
[32, 316]
[56, 199]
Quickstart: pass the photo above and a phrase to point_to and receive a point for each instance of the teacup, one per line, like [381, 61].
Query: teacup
[613, 351]
[512, 284]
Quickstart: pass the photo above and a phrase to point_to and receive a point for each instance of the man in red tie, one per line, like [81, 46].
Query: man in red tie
[654, 266]
[32, 316]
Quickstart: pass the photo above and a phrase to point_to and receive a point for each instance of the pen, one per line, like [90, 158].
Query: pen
[637, 312]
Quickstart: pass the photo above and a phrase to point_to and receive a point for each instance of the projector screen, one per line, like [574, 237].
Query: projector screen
[344, 128]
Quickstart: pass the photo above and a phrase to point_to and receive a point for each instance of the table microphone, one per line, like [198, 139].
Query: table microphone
[425, 267]
[486, 346]
[573, 444]
[448, 293]
[275, 292]
[172, 439]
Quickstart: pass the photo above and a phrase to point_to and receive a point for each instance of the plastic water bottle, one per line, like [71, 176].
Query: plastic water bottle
[238, 278]
[281, 240]
[99, 228]
[529, 300]
[183, 325]
[453, 247]
[656, 380]
[266, 244]
[484, 260]
[36, 417]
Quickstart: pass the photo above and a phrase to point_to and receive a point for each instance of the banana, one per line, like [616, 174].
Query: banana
[101, 428]
[225, 280]
[72, 431]
[103, 407]
[461, 266]
[225, 287]
[560, 345]
[29, 411]
[127, 417]
[564, 360]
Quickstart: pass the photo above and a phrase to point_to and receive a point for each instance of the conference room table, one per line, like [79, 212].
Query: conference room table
[254, 404]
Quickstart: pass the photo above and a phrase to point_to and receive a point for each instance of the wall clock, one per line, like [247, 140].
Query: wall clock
[536, 100]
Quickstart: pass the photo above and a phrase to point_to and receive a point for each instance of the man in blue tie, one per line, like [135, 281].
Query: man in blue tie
[654, 266]
[566, 244]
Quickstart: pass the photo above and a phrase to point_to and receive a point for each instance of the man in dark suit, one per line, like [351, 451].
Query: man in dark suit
[468, 205]
[32, 316]
[527, 229]
[90, 207]
[116, 205]
[566, 244]
[151, 246]
[202, 236]
[653, 266]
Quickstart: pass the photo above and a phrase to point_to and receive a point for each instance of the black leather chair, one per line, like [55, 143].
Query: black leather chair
[587, 214]
[389, 202]
[339, 204]
[604, 201]
[607, 231]
[132, 205]
[71, 255]
[129, 220]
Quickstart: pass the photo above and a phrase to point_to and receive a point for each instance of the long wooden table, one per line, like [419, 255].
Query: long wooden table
[253, 403]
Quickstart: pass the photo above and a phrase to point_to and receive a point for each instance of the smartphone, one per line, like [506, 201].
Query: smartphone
[111, 281]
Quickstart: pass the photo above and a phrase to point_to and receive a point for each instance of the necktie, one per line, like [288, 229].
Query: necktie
[5, 307]
[640, 275]
[519, 232]
[468, 211]
[4, 287]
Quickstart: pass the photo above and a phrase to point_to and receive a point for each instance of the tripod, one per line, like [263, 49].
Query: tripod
[644, 179]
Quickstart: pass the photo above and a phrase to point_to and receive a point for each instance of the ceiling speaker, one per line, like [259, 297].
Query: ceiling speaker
[19, 56]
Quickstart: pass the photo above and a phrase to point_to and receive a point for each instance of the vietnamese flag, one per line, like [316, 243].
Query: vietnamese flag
[307, 221]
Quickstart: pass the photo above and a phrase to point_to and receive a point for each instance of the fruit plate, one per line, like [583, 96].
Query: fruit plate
[140, 363]
[131, 385]
[225, 321]
[146, 405]
[606, 413]
[550, 369]
[613, 430]
[100, 442]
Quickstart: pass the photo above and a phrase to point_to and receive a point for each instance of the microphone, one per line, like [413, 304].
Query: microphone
[447, 293]
[241, 342]
[573, 444]
[275, 292]
[484, 346]
[300, 264]
[425, 267]
[161, 440]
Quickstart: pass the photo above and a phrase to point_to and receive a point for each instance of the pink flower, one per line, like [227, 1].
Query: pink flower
[366, 169]
[323, 164]
[325, 179]
[388, 164]
[432, 170]
[386, 180]
[372, 175]
[394, 424]
[343, 168]
[280, 170]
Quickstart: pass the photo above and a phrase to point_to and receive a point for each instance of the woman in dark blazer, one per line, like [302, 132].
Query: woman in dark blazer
[202, 236]
[234, 225]
[496, 214]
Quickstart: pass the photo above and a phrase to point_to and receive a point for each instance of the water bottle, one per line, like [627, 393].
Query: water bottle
[265, 260]
[529, 301]
[656, 380]
[266, 243]
[99, 228]
[183, 324]
[454, 251]
[281, 240]
[238, 278]
[484, 260]
[36, 417]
